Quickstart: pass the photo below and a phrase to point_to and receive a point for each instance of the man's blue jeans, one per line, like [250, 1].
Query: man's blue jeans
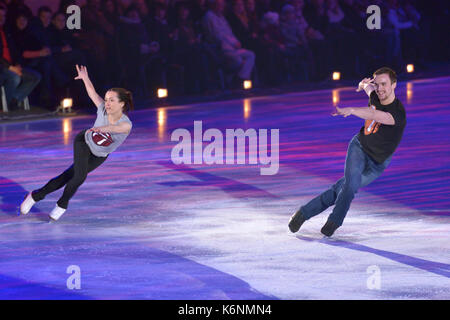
[360, 170]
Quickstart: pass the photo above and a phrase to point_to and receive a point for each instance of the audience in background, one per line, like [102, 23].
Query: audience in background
[33, 41]
[137, 43]
[189, 52]
[273, 49]
[18, 81]
[218, 32]
[96, 39]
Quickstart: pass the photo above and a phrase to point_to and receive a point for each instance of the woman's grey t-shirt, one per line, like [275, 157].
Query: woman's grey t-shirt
[118, 138]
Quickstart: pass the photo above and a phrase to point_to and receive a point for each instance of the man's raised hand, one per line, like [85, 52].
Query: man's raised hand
[364, 82]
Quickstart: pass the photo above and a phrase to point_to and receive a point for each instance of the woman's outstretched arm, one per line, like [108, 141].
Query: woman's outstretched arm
[83, 75]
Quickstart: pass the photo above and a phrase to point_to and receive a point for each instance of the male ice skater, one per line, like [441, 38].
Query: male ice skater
[369, 152]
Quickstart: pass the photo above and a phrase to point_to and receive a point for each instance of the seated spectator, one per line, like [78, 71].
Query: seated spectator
[132, 32]
[38, 55]
[316, 15]
[271, 35]
[331, 47]
[123, 5]
[355, 22]
[158, 29]
[64, 45]
[252, 17]
[342, 38]
[18, 82]
[353, 18]
[413, 40]
[218, 32]
[334, 12]
[296, 43]
[189, 52]
[396, 21]
[96, 38]
[111, 11]
[198, 10]
[44, 21]
[241, 26]
[292, 32]
[316, 42]
[142, 7]
[263, 7]
[310, 32]
[273, 49]
[14, 8]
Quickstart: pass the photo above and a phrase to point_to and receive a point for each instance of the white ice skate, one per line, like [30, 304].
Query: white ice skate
[27, 204]
[56, 213]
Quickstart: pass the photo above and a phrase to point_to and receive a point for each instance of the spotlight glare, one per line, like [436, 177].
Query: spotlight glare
[162, 93]
[67, 103]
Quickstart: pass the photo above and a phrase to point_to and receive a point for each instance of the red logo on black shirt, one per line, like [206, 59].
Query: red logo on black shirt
[371, 126]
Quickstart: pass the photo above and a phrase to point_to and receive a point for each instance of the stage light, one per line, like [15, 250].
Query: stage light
[410, 68]
[66, 105]
[336, 75]
[247, 84]
[162, 93]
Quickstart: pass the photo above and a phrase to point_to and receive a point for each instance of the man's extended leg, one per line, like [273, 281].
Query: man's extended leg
[328, 198]
[355, 178]
[317, 205]
[323, 201]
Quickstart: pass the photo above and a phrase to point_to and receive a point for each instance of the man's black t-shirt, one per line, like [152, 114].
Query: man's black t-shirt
[378, 140]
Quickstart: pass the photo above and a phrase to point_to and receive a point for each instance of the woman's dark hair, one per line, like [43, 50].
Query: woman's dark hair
[124, 96]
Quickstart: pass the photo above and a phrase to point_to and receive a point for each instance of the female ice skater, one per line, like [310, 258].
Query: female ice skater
[369, 152]
[91, 147]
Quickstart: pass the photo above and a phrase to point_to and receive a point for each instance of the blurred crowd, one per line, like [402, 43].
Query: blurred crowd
[195, 46]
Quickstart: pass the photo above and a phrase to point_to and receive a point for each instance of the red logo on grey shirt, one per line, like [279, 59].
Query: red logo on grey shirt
[102, 139]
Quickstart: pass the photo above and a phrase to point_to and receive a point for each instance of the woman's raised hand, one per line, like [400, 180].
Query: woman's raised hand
[82, 72]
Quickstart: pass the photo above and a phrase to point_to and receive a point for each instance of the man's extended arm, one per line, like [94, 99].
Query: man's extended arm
[367, 113]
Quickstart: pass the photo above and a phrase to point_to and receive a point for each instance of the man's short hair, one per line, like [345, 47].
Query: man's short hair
[388, 71]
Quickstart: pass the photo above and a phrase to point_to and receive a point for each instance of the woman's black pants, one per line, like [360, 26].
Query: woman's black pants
[83, 163]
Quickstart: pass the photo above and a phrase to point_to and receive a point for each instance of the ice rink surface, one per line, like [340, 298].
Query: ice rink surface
[142, 227]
